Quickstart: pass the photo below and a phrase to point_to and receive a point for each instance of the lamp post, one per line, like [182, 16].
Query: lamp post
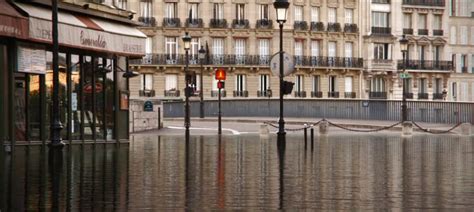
[281, 7]
[404, 49]
[187, 122]
[202, 56]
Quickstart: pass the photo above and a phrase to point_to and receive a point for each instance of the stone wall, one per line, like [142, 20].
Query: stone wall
[141, 120]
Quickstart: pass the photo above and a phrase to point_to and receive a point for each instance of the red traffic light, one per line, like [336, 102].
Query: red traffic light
[220, 85]
[220, 74]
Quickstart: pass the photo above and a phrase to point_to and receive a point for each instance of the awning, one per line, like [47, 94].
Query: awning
[85, 32]
[12, 23]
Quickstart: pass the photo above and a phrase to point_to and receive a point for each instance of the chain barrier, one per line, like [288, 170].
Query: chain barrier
[361, 130]
[436, 132]
[295, 129]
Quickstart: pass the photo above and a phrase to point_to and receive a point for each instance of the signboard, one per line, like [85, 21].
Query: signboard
[148, 106]
[74, 101]
[288, 64]
[123, 100]
[405, 75]
[365, 103]
[31, 60]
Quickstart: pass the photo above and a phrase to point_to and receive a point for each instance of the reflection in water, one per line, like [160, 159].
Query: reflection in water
[372, 172]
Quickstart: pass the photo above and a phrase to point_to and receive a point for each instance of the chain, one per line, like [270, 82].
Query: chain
[294, 129]
[360, 130]
[437, 132]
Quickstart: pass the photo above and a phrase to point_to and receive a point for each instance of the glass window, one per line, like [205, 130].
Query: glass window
[240, 83]
[194, 9]
[437, 22]
[194, 51]
[422, 86]
[298, 13]
[332, 15]
[218, 12]
[240, 51]
[316, 83]
[218, 50]
[422, 21]
[332, 84]
[171, 45]
[121, 4]
[407, 20]
[348, 50]
[240, 11]
[171, 10]
[349, 16]
[263, 11]
[314, 14]
[348, 84]
[377, 84]
[331, 49]
[299, 83]
[438, 86]
[452, 34]
[315, 48]
[264, 82]
[171, 82]
[381, 51]
[146, 82]
[146, 8]
[380, 19]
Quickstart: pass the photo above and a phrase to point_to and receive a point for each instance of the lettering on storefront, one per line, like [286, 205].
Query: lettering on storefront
[4, 29]
[94, 42]
[134, 48]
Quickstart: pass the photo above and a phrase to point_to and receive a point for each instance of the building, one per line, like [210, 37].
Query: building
[95, 43]
[461, 40]
[241, 36]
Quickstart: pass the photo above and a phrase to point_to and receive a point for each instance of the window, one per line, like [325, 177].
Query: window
[437, 22]
[349, 16]
[436, 53]
[314, 14]
[120, 4]
[348, 84]
[407, 21]
[263, 12]
[194, 51]
[298, 13]
[264, 51]
[171, 82]
[381, 51]
[149, 45]
[348, 50]
[240, 51]
[264, 82]
[438, 86]
[463, 60]
[407, 85]
[240, 83]
[218, 12]
[299, 51]
[421, 53]
[240, 11]
[377, 84]
[171, 10]
[452, 35]
[171, 48]
[316, 83]
[454, 91]
[463, 35]
[218, 50]
[332, 15]
[299, 83]
[422, 86]
[422, 21]
[214, 83]
[380, 19]
[146, 82]
[331, 49]
[315, 48]
[146, 8]
[194, 9]
[332, 84]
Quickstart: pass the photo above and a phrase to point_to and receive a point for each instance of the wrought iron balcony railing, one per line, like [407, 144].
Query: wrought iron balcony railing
[264, 24]
[247, 60]
[171, 22]
[422, 95]
[194, 23]
[146, 93]
[300, 25]
[148, 21]
[317, 94]
[382, 30]
[377, 95]
[218, 23]
[438, 32]
[241, 94]
[334, 27]
[317, 26]
[438, 96]
[216, 93]
[408, 31]
[240, 24]
[464, 70]
[333, 94]
[426, 65]
[267, 93]
[434, 3]
[422, 31]
[172, 93]
[300, 94]
[351, 28]
[381, 1]
[350, 95]
[408, 95]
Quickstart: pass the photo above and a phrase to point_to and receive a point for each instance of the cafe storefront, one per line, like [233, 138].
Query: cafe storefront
[93, 76]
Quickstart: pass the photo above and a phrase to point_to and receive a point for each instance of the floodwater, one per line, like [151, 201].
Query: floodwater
[338, 172]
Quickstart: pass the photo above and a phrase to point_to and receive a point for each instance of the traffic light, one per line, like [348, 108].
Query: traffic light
[220, 74]
[220, 84]
[287, 87]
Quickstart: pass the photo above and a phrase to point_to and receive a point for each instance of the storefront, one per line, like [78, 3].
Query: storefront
[93, 88]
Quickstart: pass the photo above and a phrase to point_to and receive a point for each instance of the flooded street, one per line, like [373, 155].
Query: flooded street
[338, 172]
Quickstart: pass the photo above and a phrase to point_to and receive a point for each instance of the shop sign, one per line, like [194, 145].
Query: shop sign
[148, 106]
[31, 60]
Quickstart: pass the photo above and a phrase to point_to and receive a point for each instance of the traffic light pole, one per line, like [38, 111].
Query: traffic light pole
[219, 114]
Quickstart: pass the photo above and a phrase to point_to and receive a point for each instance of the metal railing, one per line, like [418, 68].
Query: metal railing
[408, 31]
[409, 95]
[381, 1]
[194, 23]
[334, 27]
[146, 93]
[240, 24]
[333, 94]
[377, 95]
[438, 96]
[438, 32]
[241, 94]
[216, 93]
[435, 3]
[267, 93]
[422, 95]
[351, 28]
[464, 70]
[317, 94]
[171, 22]
[300, 25]
[218, 23]
[300, 94]
[426, 65]
[148, 21]
[350, 95]
[317, 26]
[249, 60]
[422, 31]
[386, 110]
[382, 30]
[172, 93]
[264, 24]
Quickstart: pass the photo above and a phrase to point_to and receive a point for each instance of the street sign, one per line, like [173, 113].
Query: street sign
[148, 106]
[405, 75]
[288, 64]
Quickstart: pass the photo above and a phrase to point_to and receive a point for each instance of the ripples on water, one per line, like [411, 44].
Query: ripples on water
[372, 172]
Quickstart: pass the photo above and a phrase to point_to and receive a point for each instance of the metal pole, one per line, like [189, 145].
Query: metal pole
[281, 123]
[186, 94]
[201, 95]
[56, 125]
[404, 99]
[219, 114]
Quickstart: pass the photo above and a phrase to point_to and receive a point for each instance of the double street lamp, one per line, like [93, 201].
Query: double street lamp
[202, 56]
[187, 122]
[281, 7]
[404, 48]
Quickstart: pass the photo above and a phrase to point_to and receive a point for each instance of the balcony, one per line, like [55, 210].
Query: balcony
[267, 93]
[333, 94]
[317, 26]
[432, 3]
[464, 70]
[381, 30]
[422, 95]
[241, 94]
[194, 23]
[300, 94]
[334, 27]
[147, 21]
[381, 1]
[171, 22]
[171, 93]
[438, 96]
[438, 32]
[349, 95]
[300, 25]
[264, 24]
[146, 93]
[240, 24]
[317, 94]
[216, 93]
[246, 60]
[422, 32]
[408, 31]
[351, 28]
[218, 23]
[409, 95]
[377, 95]
[426, 65]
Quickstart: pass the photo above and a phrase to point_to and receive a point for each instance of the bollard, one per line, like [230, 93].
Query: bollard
[466, 129]
[264, 132]
[312, 138]
[407, 128]
[323, 127]
[305, 137]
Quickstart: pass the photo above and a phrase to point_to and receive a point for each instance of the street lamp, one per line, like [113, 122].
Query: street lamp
[202, 56]
[187, 92]
[281, 7]
[404, 49]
